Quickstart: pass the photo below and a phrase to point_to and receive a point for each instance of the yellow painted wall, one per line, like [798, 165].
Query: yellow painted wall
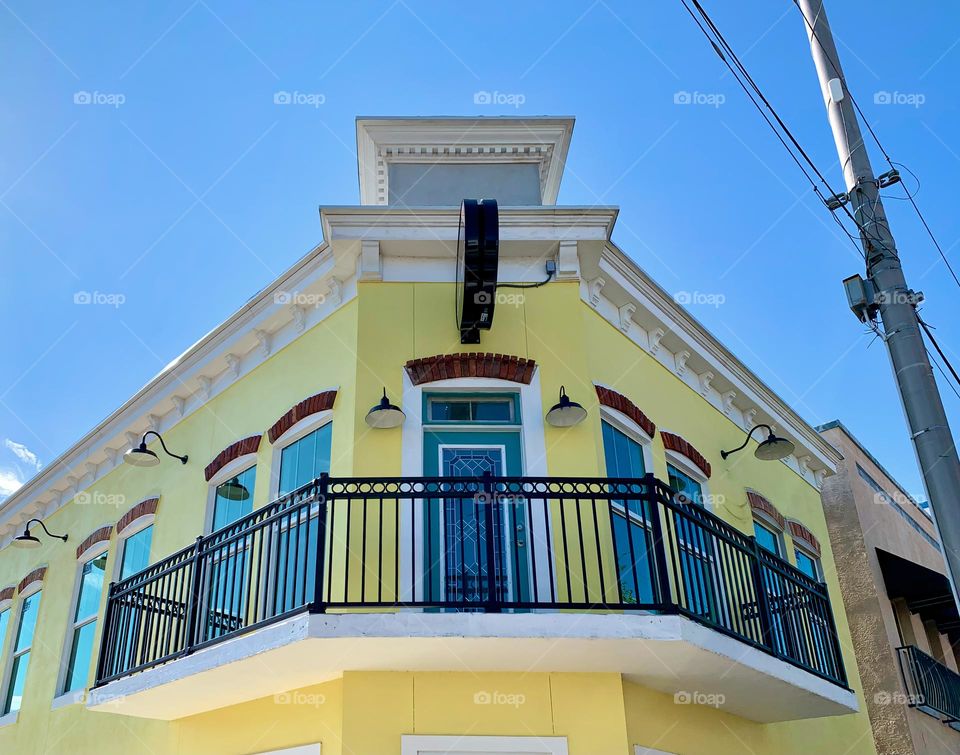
[361, 349]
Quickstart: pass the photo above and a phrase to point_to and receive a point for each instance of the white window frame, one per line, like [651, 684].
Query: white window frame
[226, 472]
[411, 744]
[769, 523]
[30, 590]
[632, 430]
[690, 469]
[533, 452]
[298, 431]
[310, 749]
[66, 697]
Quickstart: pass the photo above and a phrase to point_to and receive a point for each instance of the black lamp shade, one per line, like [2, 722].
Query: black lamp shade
[385, 415]
[566, 413]
[233, 490]
[141, 457]
[774, 449]
[26, 540]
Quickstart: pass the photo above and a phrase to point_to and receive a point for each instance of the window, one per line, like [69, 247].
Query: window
[632, 537]
[767, 538]
[227, 510]
[4, 620]
[21, 652]
[808, 564]
[305, 459]
[490, 410]
[85, 622]
[136, 552]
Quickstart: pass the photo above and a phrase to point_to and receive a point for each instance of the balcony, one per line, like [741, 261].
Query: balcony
[931, 687]
[489, 574]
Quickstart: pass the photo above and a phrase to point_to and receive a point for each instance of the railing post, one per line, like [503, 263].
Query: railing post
[649, 482]
[318, 605]
[488, 489]
[834, 637]
[105, 650]
[193, 606]
[760, 588]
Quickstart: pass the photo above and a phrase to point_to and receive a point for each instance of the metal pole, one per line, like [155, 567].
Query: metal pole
[929, 430]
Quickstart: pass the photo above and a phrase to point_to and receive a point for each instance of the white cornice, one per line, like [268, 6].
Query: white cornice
[544, 140]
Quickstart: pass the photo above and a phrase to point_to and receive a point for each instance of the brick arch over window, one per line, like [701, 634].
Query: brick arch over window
[99, 535]
[319, 402]
[36, 575]
[144, 508]
[675, 443]
[7, 593]
[231, 452]
[763, 505]
[447, 366]
[609, 397]
[801, 533]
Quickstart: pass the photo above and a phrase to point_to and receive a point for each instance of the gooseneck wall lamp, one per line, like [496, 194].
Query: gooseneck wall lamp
[772, 448]
[26, 540]
[141, 456]
[566, 413]
[385, 415]
[233, 490]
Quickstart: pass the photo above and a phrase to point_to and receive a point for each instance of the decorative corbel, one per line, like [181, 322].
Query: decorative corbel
[179, 403]
[595, 287]
[206, 386]
[369, 264]
[111, 454]
[153, 423]
[334, 291]
[804, 462]
[133, 438]
[749, 418]
[681, 362]
[299, 315]
[727, 399]
[705, 379]
[568, 264]
[263, 341]
[656, 335]
[626, 316]
[233, 365]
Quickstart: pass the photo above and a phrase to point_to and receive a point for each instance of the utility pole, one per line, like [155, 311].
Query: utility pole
[885, 291]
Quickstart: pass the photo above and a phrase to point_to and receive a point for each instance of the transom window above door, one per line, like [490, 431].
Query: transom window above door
[493, 409]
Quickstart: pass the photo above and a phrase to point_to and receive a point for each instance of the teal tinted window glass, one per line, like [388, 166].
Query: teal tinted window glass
[226, 510]
[767, 538]
[489, 409]
[91, 587]
[136, 552]
[623, 455]
[684, 483]
[85, 622]
[306, 459]
[29, 610]
[807, 565]
[4, 621]
[81, 654]
[28, 622]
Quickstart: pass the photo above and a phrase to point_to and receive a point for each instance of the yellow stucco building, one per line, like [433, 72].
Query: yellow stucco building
[485, 572]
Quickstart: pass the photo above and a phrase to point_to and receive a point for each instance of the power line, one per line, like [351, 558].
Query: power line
[946, 361]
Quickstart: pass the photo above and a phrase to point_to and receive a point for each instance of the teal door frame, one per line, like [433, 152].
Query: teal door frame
[450, 525]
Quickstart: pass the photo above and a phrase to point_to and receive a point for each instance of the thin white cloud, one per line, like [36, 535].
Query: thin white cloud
[24, 454]
[10, 482]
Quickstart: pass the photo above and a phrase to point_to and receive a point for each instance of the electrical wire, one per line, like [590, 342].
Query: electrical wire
[933, 341]
[783, 134]
[883, 150]
[527, 285]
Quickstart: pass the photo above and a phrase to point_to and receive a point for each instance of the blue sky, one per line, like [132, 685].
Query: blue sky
[144, 162]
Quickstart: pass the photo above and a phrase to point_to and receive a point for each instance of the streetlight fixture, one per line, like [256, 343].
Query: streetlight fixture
[773, 448]
[26, 540]
[141, 456]
[233, 490]
[566, 413]
[385, 415]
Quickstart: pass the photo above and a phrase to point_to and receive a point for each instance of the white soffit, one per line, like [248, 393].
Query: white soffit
[544, 140]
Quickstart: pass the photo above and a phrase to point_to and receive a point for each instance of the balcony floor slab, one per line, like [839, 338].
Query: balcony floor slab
[669, 653]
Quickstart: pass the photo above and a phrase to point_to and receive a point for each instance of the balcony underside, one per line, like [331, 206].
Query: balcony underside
[668, 653]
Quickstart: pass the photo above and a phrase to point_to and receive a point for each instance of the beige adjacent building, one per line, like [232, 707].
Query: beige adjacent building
[903, 619]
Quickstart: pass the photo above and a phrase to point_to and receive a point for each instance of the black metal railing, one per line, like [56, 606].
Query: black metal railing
[489, 544]
[931, 686]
